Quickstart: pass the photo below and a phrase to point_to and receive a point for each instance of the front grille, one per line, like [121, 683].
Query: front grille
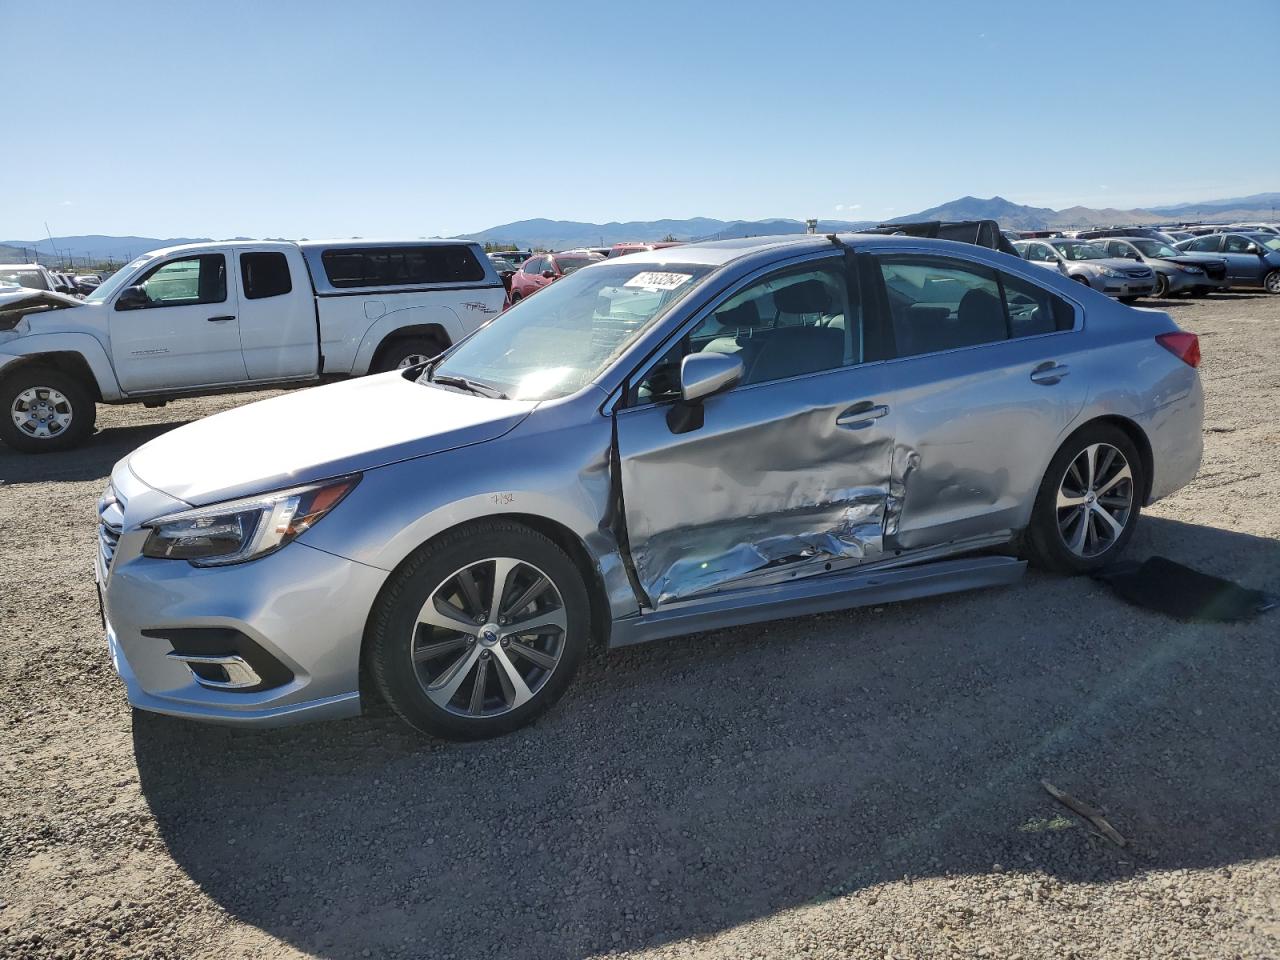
[1142, 274]
[110, 526]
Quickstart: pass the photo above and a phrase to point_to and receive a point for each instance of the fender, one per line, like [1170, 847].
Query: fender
[389, 323]
[84, 345]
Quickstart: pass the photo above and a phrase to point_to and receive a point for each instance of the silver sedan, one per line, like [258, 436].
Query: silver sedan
[675, 441]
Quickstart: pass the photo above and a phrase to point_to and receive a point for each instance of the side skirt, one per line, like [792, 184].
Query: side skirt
[818, 595]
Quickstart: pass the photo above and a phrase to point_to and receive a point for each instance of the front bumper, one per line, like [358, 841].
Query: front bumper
[1125, 286]
[1180, 282]
[301, 610]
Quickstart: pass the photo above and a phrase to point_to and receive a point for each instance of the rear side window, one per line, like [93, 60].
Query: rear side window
[1034, 310]
[265, 275]
[401, 266]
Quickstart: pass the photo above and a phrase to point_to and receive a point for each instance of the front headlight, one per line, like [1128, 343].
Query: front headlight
[1190, 269]
[241, 530]
[1108, 272]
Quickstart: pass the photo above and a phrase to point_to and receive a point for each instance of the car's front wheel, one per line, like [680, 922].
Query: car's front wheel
[1088, 502]
[479, 632]
[1272, 282]
[1162, 285]
[43, 409]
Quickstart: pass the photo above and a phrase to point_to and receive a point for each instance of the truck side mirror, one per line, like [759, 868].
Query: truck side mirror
[132, 298]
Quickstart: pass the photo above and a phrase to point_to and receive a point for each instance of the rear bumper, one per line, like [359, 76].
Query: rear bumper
[1176, 434]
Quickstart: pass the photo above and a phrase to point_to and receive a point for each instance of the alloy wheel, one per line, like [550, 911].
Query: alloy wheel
[489, 637]
[412, 360]
[1095, 500]
[1273, 282]
[42, 412]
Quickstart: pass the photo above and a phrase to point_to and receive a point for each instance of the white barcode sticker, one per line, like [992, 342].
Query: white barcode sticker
[654, 280]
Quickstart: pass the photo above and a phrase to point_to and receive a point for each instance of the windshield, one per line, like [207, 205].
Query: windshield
[570, 264]
[557, 341]
[32, 279]
[117, 280]
[1154, 248]
[1077, 250]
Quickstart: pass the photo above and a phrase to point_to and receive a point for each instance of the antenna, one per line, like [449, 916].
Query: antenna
[51, 246]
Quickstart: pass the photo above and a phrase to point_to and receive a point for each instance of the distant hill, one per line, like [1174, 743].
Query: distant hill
[564, 234]
[1015, 216]
[1256, 206]
[95, 247]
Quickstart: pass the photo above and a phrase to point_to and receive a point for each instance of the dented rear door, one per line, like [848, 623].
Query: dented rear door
[785, 478]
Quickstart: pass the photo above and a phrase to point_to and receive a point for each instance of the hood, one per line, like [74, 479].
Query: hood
[315, 433]
[1121, 264]
[19, 302]
[1195, 259]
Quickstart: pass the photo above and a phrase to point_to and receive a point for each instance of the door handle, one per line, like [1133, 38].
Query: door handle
[861, 415]
[221, 319]
[1049, 373]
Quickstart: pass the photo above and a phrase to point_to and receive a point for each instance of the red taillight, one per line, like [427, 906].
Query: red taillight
[1184, 346]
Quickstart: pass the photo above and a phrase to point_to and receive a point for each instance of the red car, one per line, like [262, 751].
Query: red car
[622, 249]
[544, 268]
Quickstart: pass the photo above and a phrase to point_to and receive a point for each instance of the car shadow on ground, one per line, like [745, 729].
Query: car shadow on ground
[689, 786]
[91, 461]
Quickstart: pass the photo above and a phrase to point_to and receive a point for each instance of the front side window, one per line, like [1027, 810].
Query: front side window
[191, 280]
[790, 324]
[554, 344]
[401, 266]
[1236, 244]
[940, 304]
[265, 275]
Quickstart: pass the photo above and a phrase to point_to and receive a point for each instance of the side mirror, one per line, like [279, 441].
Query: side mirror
[132, 298]
[548, 274]
[63, 288]
[701, 375]
[1254, 248]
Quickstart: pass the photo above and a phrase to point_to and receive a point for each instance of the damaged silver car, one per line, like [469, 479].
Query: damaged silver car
[675, 441]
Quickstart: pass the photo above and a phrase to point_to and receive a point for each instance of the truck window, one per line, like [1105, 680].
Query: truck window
[200, 279]
[265, 275]
[396, 266]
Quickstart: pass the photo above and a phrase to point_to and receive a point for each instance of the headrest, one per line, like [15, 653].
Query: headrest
[743, 315]
[807, 296]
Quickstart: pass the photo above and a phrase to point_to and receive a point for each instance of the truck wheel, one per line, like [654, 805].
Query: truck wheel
[407, 352]
[478, 632]
[44, 410]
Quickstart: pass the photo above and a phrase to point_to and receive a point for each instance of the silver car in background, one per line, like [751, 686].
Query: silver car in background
[1177, 272]
[675, 441]
[1089, 263]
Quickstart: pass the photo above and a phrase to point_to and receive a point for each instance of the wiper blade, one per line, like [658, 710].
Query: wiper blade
[473, 386]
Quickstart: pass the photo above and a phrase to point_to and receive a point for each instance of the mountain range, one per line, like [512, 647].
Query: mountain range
[565, 234]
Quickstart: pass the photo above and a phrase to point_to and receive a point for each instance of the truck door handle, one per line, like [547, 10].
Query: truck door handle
[861, 415]
[1049, 373]
[221, 319]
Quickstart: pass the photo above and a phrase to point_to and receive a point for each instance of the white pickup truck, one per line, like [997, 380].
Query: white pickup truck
[216, 317]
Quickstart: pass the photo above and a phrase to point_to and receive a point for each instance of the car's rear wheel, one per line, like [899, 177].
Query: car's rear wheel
[479, 632]
[1088, 503]
[407, 352]
[43, 409]
[1272, 282]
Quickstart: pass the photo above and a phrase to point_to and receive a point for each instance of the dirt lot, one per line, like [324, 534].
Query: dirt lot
[862, 784]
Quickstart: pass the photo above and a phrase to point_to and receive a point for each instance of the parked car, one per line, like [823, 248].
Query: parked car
[1178, 235]
[33, 276]
[212, 317]
[1254, 228]
[1150, 233]
[1176, 272]
[1088, 263]
[86, 283]
[505, 268]
[666, 443]
[543, 269]
[628, 247]
[1253, 259]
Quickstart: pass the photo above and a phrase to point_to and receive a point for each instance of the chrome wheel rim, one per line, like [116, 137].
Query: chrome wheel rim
[489, 637]
[1273, 282]
[1095, 500]
[42, 412]
[412, 360]
[1162, 285]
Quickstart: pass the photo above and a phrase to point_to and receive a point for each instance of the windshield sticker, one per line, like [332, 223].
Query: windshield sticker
[654, 280]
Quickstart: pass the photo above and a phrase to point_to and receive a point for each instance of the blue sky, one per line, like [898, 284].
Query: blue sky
[397, 118]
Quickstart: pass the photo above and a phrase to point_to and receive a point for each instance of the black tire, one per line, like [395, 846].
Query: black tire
[1162, 286]
[398, 351]
[1043, 542]
[1271, 282]
[394, 629]
[1085, 280]
[517, 297]
[1199, 292]
[76, 399]
[1128, 299]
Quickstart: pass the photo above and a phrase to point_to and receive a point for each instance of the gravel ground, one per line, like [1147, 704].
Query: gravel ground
[862, 784]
